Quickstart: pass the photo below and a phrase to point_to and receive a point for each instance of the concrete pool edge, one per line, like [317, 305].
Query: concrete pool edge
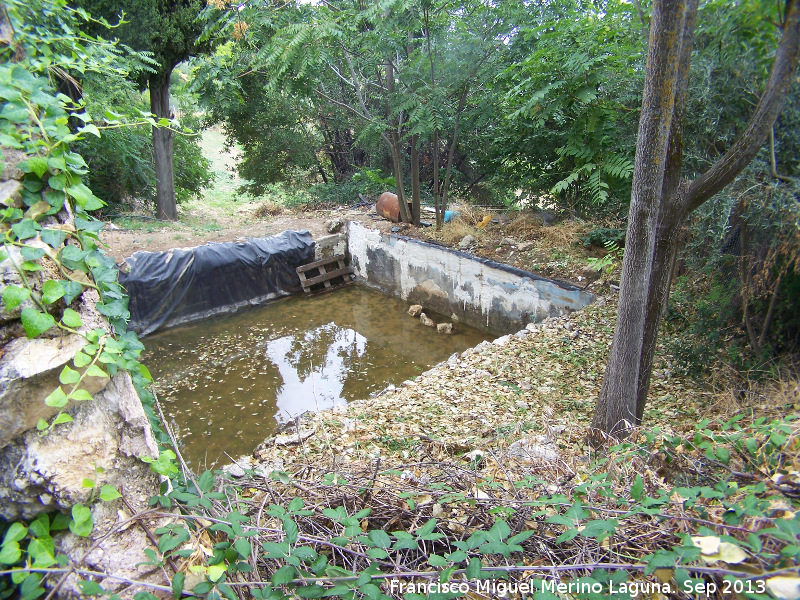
[474, 290]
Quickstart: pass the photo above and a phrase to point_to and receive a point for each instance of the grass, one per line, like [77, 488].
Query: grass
[143, 225]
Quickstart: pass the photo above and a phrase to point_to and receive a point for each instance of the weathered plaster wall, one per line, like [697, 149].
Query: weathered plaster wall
[330, 245]
[476, 291]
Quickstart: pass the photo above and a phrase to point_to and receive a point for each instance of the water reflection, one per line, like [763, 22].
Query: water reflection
[310, 387]
[227, 382]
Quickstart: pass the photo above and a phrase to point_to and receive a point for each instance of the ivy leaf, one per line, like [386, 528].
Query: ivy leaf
[14, 295]
[89, 128]
[72, 289]
[10, 553]
[31, 253]
[82, 522]
[108, 493]
[80, 395]
[53, 237]
[57, 182]
[95, 371]
[25, 229]
[35, 164]
[69, 376]
[62, 418]
[80, 359]
[84, 197]
[57, 398]
[71, 318]
[35, 322]
[52, 291]
[15, 533]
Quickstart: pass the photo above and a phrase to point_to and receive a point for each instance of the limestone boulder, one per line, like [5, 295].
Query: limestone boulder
[43, 473]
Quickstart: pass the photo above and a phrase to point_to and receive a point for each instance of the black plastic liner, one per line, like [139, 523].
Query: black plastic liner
[187, 284]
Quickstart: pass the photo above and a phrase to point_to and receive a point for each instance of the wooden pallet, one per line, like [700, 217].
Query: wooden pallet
[325, 275]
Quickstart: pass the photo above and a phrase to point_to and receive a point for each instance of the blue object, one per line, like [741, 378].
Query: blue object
[449, 215]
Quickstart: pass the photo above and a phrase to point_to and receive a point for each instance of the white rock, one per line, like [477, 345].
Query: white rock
[466, 242]
[537, 448]
[502, 341]
[415, 310]
[426, 320]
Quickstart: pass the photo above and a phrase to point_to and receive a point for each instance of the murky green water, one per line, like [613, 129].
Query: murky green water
[228, 382]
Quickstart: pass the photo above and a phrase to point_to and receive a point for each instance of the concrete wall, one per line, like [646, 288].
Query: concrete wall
[476, 291]
[330, 245]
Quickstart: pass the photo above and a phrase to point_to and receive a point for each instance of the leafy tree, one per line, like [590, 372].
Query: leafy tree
[661, 199]
[572, 91]
[170, 31]
[395, 72]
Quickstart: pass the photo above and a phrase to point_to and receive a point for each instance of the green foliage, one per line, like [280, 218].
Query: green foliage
[704, 522]
[45, 125]
[602, 236]
[608, 263]
[120, 162]
[569, 100]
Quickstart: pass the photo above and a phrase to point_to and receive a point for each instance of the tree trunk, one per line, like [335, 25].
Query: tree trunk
[616, 408]
[166, 206]
[653, 229]
[437, 204]
[394, 137]
[449, 168]
[415, 192]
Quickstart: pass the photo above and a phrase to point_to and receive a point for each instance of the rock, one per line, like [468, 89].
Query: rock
[333, 225]
[538, 448]
[29, 371]
[507, 241]
[294, 438]
[10, 194]
[111, 431]
[502, 341]
[590, 273]
[466, 242]
[11, 158]
[444, 328]
[415, 310]
[545, 216]
[426, 320]
[525, 246]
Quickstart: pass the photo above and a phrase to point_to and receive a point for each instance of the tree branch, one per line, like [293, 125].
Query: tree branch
[769, 107]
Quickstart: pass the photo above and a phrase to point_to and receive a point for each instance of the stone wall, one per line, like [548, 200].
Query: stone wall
[477, 291]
